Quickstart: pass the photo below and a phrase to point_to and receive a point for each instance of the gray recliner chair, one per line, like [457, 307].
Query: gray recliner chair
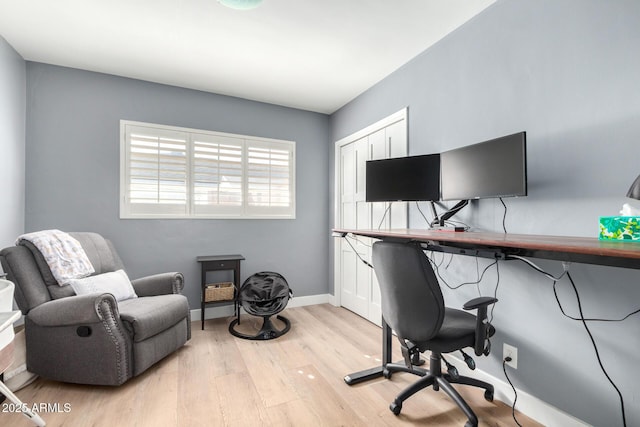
[94, 339]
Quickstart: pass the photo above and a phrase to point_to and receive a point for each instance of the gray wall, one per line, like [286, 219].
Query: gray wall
[12, 141]
[72, 176]
[568, 73]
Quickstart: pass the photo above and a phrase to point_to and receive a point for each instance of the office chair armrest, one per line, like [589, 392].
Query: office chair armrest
[479, 302]
[483, 328]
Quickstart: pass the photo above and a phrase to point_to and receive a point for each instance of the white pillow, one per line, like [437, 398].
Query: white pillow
[116, 283]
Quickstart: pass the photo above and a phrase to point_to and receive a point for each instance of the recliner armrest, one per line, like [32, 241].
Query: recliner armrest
[79, 339]
[159, 284]
[76, 310]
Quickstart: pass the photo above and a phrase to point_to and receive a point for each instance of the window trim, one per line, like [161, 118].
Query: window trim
[245, 211]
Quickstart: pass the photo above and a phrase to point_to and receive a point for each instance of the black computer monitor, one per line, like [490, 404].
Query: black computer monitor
[412, 178]
[494, 168]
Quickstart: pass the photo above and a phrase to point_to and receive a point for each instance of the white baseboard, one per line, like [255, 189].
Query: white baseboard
[527, 404]
[227, 310]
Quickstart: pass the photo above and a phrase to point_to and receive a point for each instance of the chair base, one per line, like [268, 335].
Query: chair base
[267, 332]
[436, 379]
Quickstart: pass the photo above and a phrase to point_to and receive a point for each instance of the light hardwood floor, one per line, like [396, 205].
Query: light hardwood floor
[295, 380]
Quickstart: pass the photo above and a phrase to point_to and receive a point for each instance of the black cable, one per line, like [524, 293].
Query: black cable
[424, 216]
[555, 293]
[384, 215]
[432, 255]
[584, 321]
[357, 254]
[595, 348]
[495, 291]
[504, 217]
[515, 393]
[464, 283]
[536, 268]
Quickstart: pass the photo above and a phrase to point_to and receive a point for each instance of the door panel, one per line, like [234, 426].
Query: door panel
[358, 287]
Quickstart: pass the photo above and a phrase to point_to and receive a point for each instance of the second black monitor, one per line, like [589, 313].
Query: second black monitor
[413, 178]
[494, 168]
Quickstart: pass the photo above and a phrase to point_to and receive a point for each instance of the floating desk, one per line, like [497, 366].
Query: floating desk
[586, 250]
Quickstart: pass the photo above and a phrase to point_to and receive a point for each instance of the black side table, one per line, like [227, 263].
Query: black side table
[218, 263]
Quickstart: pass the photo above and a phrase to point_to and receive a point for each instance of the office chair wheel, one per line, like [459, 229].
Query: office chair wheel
[386, 373]
[453, 372]
[468, 360]
[488, 395]
[396, 408]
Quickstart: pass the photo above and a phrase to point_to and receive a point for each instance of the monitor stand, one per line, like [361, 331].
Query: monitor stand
[439, 221]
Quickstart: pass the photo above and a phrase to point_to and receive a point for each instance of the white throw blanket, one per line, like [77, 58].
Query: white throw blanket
[64, 254]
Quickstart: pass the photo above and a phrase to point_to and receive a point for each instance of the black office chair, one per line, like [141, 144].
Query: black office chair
[413, 306]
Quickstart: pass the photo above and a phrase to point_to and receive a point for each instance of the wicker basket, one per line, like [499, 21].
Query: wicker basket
[222, 291]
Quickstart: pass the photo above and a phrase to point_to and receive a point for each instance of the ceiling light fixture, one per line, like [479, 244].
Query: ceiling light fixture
[241, 4]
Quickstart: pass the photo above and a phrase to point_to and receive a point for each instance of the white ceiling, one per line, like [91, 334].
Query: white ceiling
[315, 55]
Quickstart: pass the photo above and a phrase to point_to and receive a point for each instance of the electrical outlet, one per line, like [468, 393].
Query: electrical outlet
[512, 352]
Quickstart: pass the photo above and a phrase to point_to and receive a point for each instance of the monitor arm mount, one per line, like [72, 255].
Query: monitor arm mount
[439, 220]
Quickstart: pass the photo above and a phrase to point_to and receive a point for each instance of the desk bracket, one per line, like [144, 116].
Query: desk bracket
[475, 252]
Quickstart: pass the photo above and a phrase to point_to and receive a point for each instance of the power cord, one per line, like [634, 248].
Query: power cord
[423, 215]
[477, 282]
[504, 217]
[555, 293]
[437, 270]
[515, 393]
[384, 215]
[495, 291]
[538, 269]
[595, 348]
[584, 321]
[432, 255]
[367, 263]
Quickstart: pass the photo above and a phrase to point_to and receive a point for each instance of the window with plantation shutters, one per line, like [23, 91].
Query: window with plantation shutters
[169, 172]
[157, 171]
[268, 178]
[217, 175]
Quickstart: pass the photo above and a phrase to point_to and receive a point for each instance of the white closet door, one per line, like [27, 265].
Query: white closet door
[355, 281]
[354, 274]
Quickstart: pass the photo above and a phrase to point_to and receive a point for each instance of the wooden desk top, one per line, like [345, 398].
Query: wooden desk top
[588, 250]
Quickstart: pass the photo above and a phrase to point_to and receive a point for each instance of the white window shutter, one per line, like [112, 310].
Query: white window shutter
[170, 172]
[217, 175]
[156, 171]
[270, 178]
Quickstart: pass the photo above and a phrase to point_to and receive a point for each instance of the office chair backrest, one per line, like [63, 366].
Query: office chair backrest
[412, 302]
